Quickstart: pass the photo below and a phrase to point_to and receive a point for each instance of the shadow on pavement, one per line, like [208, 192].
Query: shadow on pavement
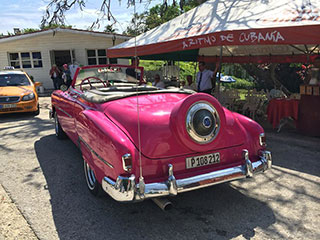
[295, 151]
[21, 126]
[13, 117]
[216, 212]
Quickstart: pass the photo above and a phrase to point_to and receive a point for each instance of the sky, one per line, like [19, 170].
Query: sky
[28, 14]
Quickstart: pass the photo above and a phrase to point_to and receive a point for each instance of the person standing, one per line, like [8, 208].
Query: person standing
[66, 75]
[73, 68]
[55, 74]
[132, 70]
[206, 79]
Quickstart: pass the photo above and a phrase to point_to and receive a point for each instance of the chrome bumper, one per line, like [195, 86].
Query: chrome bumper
[126, 190]
[51, 114]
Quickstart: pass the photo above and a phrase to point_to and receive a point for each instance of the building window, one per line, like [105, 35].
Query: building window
[14, 60]
[113, 60]
[97, 56]
[25, 60]
[36, 58]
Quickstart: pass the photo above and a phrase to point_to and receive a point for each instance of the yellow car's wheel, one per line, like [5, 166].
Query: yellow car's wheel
[37, 112]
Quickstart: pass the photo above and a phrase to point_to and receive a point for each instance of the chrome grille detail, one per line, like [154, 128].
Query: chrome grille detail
[9, 99]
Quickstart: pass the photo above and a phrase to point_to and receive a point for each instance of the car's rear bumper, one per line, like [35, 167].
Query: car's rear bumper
[125, 189]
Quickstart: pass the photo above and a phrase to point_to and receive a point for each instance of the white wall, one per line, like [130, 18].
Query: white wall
[79, 42]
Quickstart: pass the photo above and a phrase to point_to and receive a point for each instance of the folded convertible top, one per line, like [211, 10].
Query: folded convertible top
[112, 93]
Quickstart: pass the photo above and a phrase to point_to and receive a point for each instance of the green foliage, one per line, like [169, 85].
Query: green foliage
[188, 5]
[156, 16]
[150, 65]
[29, 30]
[186, 68]
[109, 29]
[50, 26]
[135, 29]
[190, 68]
[240, 84]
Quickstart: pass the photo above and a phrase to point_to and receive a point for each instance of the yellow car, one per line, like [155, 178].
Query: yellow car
[18, 92]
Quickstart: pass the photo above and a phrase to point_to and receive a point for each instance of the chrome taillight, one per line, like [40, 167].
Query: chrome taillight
[262, 140]
[127, 162]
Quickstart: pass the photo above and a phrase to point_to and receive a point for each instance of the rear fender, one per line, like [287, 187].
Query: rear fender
[105, 144]
[252, 130]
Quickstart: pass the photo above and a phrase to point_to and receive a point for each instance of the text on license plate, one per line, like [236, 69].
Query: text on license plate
[8, 106]
[203, 160]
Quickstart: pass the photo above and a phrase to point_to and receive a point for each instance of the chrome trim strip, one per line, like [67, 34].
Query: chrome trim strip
[97, 155]
[124, 157]
[125, 189]
[64, 112]
[261, 136]
[71, 89]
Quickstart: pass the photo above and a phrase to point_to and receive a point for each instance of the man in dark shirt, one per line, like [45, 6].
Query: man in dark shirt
[132, 71]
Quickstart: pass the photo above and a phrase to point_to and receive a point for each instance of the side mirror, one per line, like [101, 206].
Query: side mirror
[37, 84]
[63, 87]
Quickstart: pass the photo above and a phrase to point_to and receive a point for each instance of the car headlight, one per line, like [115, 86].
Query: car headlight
[28, 97]
[202, 122]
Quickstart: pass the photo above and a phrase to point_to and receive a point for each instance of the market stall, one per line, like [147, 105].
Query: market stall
[233, 31]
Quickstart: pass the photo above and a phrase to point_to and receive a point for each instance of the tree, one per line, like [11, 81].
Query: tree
[137, 25]
[110, 29]
[56, 9]
[279, 76]
[159, 15]
[156, 16]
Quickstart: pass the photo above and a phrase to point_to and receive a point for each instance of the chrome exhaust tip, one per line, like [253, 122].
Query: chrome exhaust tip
[163, 203]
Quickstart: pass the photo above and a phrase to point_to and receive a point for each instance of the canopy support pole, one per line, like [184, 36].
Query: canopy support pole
[220, 63]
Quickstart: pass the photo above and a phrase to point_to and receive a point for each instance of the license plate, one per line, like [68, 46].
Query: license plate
[203, 160]
[8, 106]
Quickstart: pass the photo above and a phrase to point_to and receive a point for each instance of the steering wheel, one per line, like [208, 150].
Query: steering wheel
[87, 79]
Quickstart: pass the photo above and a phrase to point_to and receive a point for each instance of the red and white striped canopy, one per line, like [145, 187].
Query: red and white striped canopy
[248, 31]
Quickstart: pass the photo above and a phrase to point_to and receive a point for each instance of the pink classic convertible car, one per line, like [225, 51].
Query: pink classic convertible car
[139, 142]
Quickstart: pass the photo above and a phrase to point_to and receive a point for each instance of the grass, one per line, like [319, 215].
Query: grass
[242, 93]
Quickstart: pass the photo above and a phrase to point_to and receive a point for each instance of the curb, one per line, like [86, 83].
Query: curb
[13, 224]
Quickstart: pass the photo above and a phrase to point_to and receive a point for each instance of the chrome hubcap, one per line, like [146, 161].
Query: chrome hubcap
[90, 177]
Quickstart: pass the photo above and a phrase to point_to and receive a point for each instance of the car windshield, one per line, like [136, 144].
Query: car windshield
[7, 80]
[109, 75]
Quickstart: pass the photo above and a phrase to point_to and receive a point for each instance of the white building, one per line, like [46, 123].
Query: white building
[36, 52]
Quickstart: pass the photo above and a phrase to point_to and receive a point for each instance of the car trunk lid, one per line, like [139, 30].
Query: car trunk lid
[158, 135]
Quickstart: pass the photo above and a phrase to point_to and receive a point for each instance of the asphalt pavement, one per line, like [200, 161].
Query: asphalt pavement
[44, 195]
